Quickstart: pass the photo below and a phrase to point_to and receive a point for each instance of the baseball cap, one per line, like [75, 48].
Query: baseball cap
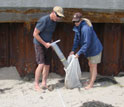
[59, 11]
[77, 16]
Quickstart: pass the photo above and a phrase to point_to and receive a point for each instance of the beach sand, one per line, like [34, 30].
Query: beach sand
[15, 92]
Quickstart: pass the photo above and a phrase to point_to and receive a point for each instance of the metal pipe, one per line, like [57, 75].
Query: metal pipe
[59, 53]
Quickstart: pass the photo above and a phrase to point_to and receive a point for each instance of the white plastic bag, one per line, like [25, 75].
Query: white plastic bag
[73, 73]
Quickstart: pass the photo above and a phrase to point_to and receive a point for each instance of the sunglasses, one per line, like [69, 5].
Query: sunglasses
[58, 15]
[76, 21]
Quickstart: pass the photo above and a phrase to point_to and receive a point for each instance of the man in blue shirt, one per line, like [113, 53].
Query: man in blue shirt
[91, 47]
[42, 37]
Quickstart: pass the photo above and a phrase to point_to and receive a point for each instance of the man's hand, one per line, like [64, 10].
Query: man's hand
[71, 53]
[47, 45]
[76, 56]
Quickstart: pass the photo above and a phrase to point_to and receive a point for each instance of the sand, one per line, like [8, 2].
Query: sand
[14, 92]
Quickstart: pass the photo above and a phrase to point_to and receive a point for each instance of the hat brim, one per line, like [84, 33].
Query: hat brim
[60, 14]
[75, 19]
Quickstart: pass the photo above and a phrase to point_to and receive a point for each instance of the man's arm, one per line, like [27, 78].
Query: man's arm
[39, 39]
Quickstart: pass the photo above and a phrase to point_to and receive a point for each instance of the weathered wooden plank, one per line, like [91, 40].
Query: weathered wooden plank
[122, 49]
[21, 52]
[31, 15]
[4, 45]
[112, 49]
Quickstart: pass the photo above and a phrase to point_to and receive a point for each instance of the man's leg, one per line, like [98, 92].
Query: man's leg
[37, 75]
[48, 56]
[45, 75]
[39, 51]
[93, 73]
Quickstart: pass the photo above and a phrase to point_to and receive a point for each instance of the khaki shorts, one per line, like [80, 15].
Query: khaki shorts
[95, 59]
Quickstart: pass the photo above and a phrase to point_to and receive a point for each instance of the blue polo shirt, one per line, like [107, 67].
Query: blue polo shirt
[46, 26]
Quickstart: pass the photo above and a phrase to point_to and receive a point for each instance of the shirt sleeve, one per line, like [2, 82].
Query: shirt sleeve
[76, 43]
[41, 25]
[86, 33]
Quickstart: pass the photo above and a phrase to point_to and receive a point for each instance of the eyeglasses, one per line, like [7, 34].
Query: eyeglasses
[76, 21]
[58, 15]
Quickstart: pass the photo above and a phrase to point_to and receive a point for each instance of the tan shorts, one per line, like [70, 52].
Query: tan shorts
[95, 59]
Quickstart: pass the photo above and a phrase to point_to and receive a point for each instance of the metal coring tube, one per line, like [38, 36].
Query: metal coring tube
[59, 53]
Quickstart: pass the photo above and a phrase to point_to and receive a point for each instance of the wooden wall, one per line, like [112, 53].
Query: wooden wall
[16, 47]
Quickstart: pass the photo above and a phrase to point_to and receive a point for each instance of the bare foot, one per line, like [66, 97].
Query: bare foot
[87, 82]
[88, 87]
[37, 88]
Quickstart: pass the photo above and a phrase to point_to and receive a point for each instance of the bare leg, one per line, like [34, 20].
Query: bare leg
[45, 75]
[93, 73]
[37, 75]
[90, 72]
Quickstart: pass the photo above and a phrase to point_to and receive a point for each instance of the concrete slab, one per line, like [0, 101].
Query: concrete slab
[9, 73]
